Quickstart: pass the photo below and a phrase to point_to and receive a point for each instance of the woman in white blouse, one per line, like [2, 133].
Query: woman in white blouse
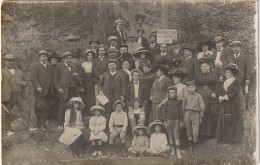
[89, 79]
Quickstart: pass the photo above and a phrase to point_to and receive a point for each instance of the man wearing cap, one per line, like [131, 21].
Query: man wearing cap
[65, 81]
[42, 82]
[112, 85]
[93, 45]
[132, 44]
[154, 47]
[220, 56]
[136, 99]
[163, 57]
[120, 32]
[113, 42]
[13, 93]
[189, 62]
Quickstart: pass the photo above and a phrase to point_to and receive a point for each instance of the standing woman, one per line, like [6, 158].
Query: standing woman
[207, 82]
[89, 79]
[230, 125]
[159, 91]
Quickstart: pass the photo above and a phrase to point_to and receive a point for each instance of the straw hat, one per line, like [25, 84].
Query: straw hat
[139, 126]
[156, 122]
[232, 67]
[43, 52]
[236, 43]
[118, 102]
[141, 50]
[97, 107]
[78, 99]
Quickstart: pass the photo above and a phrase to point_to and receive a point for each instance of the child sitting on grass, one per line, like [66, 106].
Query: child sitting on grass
[158, 141]
[74, 134]
[140, 142]
[97, 125]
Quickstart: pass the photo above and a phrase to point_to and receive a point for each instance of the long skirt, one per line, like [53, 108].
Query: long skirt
[89, 95]
[155, 114]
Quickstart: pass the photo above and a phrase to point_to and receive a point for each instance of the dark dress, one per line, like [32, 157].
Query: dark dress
[230, 124]
[206, 85]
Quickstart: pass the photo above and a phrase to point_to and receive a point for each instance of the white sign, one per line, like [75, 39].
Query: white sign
[166, 35]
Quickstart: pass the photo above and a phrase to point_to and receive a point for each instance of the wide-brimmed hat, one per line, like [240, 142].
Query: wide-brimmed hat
[89, 51]
[141, 50]
[112, 38]
[139, 126]
[191, 83]
[180, 72]
[54, 55]
[94, 40]
[97, 107]
[207, 42]
[118, 21]
[118, 102]
[206, 60]
[78, 99]
[236, 43]
[156, 122]
[9, 57]
[232, 67]
[112, 61]
[163, 68]
[218, 38]
[189, 47]
[66, 54]
[43, 52]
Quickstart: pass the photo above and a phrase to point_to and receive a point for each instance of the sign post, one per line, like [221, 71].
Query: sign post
[166, 35]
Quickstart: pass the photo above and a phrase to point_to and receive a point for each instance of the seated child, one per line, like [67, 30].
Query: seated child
[97, 125]
[172, 109]
[74, 133]
[117, 124]
[194, 108]
[158, 141]
[140, 142]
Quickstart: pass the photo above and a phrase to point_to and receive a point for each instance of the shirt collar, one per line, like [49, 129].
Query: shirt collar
[163, 54]
[112, 73]
[136, 83]
[237, 55]
[45, 65]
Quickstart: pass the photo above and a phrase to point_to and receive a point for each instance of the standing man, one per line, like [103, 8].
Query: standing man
[42, 82]
[176, 55]
[154, 47]
[13, 93]
[65, 81]
[162, 57]
[136, 99]
[220, 56]
[112, 85]
[120, 32]
[94, 45]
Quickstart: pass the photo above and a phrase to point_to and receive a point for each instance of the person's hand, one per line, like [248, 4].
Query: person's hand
[213, 95]
[75, 74]
[23, 83]
[220, 99]
[60, 91]
[39, 90]
[247, 82]
[221, 79]
[100, 92]
[159, 107]
[122, 98]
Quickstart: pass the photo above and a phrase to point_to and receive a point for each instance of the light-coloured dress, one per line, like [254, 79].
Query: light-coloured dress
[98, 124]
[158, 140]
[71, 132]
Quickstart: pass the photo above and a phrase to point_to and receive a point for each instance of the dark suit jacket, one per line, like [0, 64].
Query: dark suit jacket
[174, 59]
[119, 85]
[158, 59]
[223, 56]
[154, 51]
[100, 65]
[6, 83]
[242, 62]
[191, 65]
[130, 96]
[62, 77]
[159, 89]
[41, 77]
[144, 43]
[126, 76]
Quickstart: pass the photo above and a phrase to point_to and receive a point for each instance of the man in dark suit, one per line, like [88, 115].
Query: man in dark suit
[136, 99]
[242, 62]
[189, 63]
[120, 32]
[163, 57]
[42, 82]
[154, 47]
[141, 40]
[65, 81]
[112, 85]
[175, 54]
[220, 56]
[113, 42]
[13, 93]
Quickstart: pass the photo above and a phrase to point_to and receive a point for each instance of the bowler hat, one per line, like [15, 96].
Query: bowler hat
[236, 43]
[141, 50]
[218, 38]
[9, 57]
[232, 67]
[118, 102]
[43, 52]
[96, 107]
[54, 55]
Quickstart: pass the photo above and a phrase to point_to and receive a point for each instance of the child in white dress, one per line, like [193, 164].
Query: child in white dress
[97, 125]
[74, 133]
[158, 140]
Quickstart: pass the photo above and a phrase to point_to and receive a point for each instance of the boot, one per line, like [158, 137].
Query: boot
[172, 151]
[99, 150]
[195, 144]
[178, 152]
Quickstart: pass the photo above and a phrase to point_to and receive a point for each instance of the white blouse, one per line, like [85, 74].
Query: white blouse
[87, 66]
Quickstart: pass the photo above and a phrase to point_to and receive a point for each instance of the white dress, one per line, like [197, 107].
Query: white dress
[98, 124]
[71, 133]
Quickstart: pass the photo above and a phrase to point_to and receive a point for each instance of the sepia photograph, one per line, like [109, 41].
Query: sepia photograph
[134, 82]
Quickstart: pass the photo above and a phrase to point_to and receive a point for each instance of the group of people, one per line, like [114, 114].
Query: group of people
[165, 87]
